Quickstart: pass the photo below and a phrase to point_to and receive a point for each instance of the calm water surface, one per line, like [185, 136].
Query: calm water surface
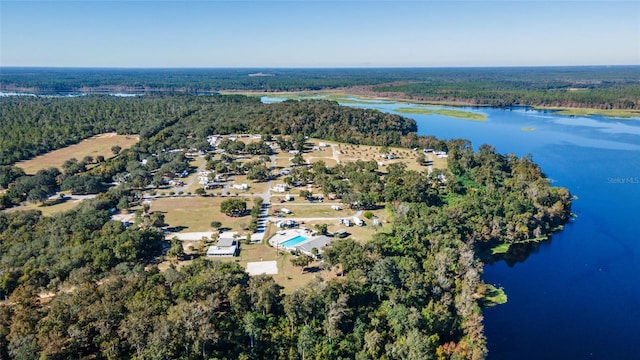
[578, 296]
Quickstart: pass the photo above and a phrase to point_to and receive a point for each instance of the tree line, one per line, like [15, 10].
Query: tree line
[579, 86]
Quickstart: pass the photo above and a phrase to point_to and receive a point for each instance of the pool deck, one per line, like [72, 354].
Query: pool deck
[284, 235]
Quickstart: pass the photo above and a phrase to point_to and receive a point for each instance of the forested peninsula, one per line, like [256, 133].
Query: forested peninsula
[78, 284]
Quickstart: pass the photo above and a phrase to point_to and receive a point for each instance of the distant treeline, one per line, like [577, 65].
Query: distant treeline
[31, 126]
[616, 87]
[535, 92]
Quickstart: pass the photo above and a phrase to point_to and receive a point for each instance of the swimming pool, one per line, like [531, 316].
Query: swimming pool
[293, 241]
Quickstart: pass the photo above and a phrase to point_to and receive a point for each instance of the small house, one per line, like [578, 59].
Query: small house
[224, 248]
[280, 188]
[240, 186]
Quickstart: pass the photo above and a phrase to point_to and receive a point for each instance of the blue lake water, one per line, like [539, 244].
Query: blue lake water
[578, 296]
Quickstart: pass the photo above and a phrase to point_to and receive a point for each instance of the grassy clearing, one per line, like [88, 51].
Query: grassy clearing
[196, 213]
[494, 296]
[352, 153]
[254, 187]
[314, 211]
[359, 233]
[500, 249]
[328, 161]
[618, 113]
[324, 151]
[49, 208]
[93, 146]
[459, 114]
[282, 161]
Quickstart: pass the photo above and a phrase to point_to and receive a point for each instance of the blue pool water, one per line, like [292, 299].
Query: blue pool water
[293, 241]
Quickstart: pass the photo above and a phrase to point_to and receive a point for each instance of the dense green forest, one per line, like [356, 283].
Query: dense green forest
[616, 87]
[545, 93]
[78, 285]
[36, 125]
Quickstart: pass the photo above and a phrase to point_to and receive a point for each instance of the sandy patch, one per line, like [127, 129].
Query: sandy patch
[262, 267]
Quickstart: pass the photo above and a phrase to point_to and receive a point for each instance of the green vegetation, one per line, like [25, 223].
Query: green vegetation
[494, 296]
[500, 249]
[619, 113]
[233, 207]
[82, 286]
[467, 115]
[593, 88]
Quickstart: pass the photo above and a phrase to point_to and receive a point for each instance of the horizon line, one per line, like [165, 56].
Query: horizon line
[304, 67]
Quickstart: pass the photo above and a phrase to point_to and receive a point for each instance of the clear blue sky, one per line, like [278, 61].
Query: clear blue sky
[318, 33]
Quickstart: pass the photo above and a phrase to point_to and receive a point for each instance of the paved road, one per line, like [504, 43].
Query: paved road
[258, 236]
[177, 189]
[335, 153]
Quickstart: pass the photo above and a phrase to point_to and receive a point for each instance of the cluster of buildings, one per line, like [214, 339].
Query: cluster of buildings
[438, 153]
[353, 221]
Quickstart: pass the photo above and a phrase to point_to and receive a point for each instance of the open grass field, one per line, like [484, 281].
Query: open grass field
[93, 146]
[289, 276]
[324, 151]
[351, 153]
[361, 234]
[254, 187]
[282, 160]
[196, 213]
[328, 161]
[48, 209]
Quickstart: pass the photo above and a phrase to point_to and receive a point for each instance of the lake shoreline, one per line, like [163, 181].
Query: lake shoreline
[570, 111]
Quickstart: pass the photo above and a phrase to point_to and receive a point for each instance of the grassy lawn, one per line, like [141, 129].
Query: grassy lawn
[352, 153]
[47, 209]
[93, 146]
[289, 276]
[358, 233]
[254, 187]
[328, 161]
[323, 152]
[282, 161]
[312, 210]
[196, 213]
